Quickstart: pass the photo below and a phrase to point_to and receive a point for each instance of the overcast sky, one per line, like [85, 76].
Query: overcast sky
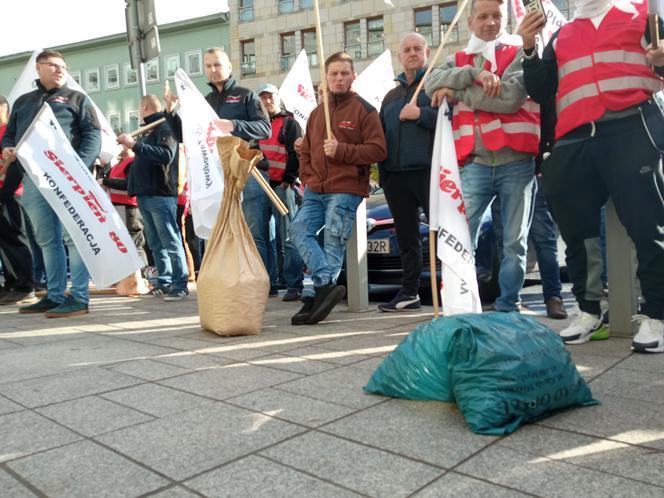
[32, 24]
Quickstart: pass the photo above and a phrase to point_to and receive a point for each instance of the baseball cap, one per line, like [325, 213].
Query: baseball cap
[268, 87]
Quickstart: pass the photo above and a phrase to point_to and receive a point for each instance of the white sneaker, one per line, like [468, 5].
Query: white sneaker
[585, 327]
[650, 337]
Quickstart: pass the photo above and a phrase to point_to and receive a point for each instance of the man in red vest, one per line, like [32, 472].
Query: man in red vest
[496, 134]
[284, 169]
[609, 141]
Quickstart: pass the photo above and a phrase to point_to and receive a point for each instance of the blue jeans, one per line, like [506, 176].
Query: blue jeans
[293, 264]
[162, 234]
[544, 236]
[513, 184]
[256, 210]
[335, 212]
[49, 235]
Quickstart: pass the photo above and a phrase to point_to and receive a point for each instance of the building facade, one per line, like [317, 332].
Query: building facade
[101, 66]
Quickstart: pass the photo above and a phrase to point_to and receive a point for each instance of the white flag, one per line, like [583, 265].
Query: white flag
[376, 80]
[199, 134]
[26, 83]
[83, 207]
[554, 20]
[297, 90]
[447, 216]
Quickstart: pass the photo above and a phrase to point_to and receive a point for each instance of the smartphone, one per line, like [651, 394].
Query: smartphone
[534, 5]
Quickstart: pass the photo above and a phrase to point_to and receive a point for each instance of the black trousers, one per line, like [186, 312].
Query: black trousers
[580, 175]
[406, 192]
[15, 250]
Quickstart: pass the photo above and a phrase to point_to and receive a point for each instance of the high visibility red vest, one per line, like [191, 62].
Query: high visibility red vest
[602, 68]
[519, 131]
[275, 152]
[121, 196]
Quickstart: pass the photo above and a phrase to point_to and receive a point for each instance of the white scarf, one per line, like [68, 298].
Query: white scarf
[488, 49]
[587, 9]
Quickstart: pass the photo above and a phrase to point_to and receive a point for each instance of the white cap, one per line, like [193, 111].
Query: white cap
[268, 87]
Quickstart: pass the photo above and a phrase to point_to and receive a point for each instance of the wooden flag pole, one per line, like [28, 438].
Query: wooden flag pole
[439, 51]
[432, 262]
[146, 128]
[321, 66]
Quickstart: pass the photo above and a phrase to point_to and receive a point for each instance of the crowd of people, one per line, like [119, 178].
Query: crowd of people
[538, 139]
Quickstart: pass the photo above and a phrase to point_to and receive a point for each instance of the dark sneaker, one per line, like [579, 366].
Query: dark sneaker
[41, 306]
[301, 317]
[71, 307]
[18, 297]
[402, 302]
[292, 295]
[157, 292]
[326, 298]
[555, 308]
[177, 295]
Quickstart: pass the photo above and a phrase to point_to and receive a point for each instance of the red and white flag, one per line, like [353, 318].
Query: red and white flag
[79, 202]
[447, 216]
[376, 80]
[297, 90]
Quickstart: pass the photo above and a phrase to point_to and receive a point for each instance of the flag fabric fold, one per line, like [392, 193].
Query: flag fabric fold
[376, 80]
[84, 209]
[199, 134]
[447, 216]
[297, 90]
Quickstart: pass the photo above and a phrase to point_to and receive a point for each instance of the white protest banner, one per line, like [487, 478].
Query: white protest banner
[83, 207]
[297, 90]
[26, 83]
[199, 133]
[447, 216]
[554, 20]
[376, 80]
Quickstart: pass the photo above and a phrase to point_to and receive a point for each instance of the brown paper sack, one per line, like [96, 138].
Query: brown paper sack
[132, 285]
[233, 284]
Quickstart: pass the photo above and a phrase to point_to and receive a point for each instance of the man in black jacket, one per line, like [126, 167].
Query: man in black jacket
[404, 175]
[75, 113]
[153, 179]
[242, 115]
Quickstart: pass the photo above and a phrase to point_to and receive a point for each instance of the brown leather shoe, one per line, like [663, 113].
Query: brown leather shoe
[555, 308]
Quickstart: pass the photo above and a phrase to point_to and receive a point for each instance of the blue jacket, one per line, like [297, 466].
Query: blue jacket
[155, 167]
[409, 143]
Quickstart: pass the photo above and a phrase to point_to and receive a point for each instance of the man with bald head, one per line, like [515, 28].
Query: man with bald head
[404, 175]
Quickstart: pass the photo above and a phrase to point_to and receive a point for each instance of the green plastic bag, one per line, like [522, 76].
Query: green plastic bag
[509, 369]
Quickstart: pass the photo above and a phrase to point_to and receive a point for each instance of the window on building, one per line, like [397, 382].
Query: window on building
[352, 40]
[375, 37]
[248, 51]
[92, 80]
[310, 44]
[130, 75]
[193, 61]
[424, 23]
[76, 75]
[286, 6]
[246, 10]
[112, 76]
[306, 4]
[446, 15]
[172, 65]
[114, 121]
[132, 120]
[152, 71]
[563, 7]
[287, 48]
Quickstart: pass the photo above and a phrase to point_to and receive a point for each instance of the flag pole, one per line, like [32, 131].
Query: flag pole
[432, 262]
[439, 51]
[321, 66]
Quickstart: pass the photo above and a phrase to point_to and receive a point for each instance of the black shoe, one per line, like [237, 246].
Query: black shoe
[18, 297]
[292, 295]
[327, 297]
[301, 317]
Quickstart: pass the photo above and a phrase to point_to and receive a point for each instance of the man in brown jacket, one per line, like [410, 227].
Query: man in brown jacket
[335, 173]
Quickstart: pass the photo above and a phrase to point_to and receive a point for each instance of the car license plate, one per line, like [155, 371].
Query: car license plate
[378, 246]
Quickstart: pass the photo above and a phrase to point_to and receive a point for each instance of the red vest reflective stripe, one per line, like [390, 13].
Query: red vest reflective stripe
[519, 131]
[275, 152]
[121, 196]
[602, 68]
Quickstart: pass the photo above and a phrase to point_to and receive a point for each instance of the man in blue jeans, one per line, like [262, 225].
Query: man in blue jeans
[335, 172]
[153, 179]
[497, 134]
[74, 112]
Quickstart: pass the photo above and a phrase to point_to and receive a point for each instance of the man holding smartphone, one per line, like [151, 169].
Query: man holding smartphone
[603, 82]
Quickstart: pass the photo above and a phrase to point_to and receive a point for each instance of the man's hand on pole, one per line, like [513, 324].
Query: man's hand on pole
[410, 112]
[126, 140]
[330, 146]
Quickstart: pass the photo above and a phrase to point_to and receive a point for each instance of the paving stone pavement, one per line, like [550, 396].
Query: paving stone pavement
[135, 399]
